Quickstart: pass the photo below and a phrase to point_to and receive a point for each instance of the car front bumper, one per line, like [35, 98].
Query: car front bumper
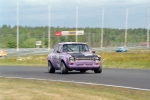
[84, 65]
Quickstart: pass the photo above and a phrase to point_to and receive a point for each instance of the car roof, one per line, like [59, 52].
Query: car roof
[72, 43]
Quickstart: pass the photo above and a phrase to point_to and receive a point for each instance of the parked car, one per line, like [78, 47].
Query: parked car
[69, 56]
[121, 49]
[3, 53]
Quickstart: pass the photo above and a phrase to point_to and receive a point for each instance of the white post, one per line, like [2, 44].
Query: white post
[49, 27]
[89, 38]
[76, 23]
[126, 28]
[102, 27]
[148, 28]
[17, 27]
[93, 38]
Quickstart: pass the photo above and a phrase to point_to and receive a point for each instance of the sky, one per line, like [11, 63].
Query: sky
[72, 13]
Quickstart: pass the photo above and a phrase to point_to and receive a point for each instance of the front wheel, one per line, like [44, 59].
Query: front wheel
[98, 70]
[51, 69]
[63, 68]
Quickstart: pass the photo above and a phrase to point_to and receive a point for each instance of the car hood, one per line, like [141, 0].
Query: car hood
[80, 54]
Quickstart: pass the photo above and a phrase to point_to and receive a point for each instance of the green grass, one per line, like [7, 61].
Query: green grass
[139, 59]
[136, 60]
[37, 60]
[21, 89]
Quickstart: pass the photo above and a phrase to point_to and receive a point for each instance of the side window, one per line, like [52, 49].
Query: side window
[56, 48]
[60, 48]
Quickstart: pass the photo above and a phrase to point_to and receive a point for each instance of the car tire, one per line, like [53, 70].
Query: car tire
[63, 68]
[98, 70]
[51, 69]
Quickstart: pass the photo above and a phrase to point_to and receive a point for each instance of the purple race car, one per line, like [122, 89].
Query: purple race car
[68, 56]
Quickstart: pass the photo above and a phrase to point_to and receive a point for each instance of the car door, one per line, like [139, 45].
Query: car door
[57, 55]
[54, 56]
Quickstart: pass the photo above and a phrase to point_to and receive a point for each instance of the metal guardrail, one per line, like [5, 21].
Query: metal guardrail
[27, 51]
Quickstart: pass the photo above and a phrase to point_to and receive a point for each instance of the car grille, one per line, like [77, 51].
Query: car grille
[84, 58]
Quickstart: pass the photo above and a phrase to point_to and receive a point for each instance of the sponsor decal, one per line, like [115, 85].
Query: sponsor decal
[58, 33]
[71, 33]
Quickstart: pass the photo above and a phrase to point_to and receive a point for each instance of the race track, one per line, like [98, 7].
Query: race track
[127, 78]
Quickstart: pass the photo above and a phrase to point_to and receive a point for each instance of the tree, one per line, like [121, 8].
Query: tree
[29, 43]
[11, 41]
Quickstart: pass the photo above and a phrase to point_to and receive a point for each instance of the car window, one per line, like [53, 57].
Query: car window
[65, 48]
[56, 48]
[75, 48]
[60, 48]
[85, 48]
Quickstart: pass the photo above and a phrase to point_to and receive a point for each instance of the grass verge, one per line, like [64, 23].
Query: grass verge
[21, 89]
[133, 60]
[139, 59]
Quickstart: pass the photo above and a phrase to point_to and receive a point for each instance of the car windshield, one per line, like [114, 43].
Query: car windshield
[120, 48]
[75, 48]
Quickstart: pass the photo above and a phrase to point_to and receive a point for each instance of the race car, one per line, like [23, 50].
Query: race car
[3, 53]
[69, 56]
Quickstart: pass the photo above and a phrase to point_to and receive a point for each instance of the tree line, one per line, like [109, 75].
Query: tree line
[29, 35]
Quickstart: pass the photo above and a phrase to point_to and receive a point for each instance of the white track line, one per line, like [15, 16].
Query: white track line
[78, 83]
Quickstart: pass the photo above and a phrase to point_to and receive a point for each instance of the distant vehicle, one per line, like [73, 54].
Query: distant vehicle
[68, 56]
[3, 53]
[143, 43]
[121, 49]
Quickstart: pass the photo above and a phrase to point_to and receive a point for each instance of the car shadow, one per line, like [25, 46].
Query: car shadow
[71, 72]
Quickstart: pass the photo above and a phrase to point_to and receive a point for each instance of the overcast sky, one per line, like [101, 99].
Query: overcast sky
[63, 13]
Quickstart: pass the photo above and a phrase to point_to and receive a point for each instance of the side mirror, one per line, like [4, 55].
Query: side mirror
[93, 51]
[58, 51]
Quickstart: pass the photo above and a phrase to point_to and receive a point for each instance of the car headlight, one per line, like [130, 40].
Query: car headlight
[97, 59]
[71, 60]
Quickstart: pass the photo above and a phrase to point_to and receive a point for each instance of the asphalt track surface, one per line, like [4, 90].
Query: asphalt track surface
[127, 78]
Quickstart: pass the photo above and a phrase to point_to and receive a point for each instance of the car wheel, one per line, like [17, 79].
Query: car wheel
[63, 68]
[51, 69]
[98, 70]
